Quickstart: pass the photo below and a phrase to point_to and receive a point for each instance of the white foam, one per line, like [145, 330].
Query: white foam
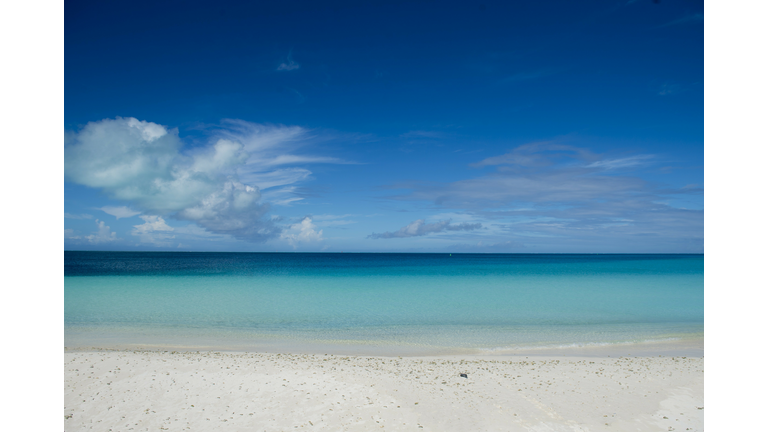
[576, 345]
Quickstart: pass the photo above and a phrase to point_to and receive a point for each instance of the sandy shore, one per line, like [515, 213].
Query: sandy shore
[149, 391]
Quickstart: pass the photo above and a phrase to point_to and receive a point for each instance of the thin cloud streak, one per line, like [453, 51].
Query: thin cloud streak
[622, 162]
[420, 228]
[289, 64]
[557, 191]
[684, 20]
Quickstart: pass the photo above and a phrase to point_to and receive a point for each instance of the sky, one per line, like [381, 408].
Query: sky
[385, 126]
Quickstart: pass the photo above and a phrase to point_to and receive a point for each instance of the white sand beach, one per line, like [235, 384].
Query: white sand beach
[211, 391]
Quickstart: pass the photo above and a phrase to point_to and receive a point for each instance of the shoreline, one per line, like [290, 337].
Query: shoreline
[139, 390]
[677, 347]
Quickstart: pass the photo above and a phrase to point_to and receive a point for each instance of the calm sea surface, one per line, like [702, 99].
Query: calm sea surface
[427, 302]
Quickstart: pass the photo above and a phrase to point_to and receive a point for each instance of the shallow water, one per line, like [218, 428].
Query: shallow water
[420, 302]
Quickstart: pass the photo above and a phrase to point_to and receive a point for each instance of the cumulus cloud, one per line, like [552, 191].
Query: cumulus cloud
[302, 232]
[103, 235]
[154, 230]
[233, 210]
[142, 162]
[420, 227]
[120, 212]
[214, 186]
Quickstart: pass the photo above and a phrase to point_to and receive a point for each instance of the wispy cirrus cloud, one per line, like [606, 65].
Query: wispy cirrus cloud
[537, 154]
[684, 20]
[330, 220]
[568, 194]
[420, 228]
[278, 177]
[626, 162]
[76, 216]
[119, 212]
[270, 146]
[424, 134]
[296, 159]
[289, 64]
[667, 89]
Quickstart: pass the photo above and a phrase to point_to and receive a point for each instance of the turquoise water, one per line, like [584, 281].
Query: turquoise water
[429, 301]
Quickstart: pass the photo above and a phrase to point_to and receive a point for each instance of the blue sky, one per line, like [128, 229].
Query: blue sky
[391, 126]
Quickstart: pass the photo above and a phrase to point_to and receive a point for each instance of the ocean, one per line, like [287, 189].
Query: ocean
[382, 303]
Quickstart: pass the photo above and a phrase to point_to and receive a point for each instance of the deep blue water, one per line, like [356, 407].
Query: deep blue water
[433, 300]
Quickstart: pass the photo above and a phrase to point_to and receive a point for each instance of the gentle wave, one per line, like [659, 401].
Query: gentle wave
[574, 345]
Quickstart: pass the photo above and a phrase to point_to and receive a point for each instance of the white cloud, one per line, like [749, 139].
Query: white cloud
[669, 89]
[141, 162]
[570, 200]
[70, 234]
[546, 173]
[423, 134]
[103, 235]
[233, 210]
[80, 216]
[154, 230]
[286, 201]
[288, 64]
[331, 220]
[420, 228]
[621, 163]
[151, 224]
[130, 160]
[302, 232]
[686, 19]
[280, 177]
[215, 186]
[538, 154]
[271, 146]
[119, 212]
[324, 217]
[461, 217]
[283, 196]
[149, 131]
[294, 159]
[332, 223]
[195, 231]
